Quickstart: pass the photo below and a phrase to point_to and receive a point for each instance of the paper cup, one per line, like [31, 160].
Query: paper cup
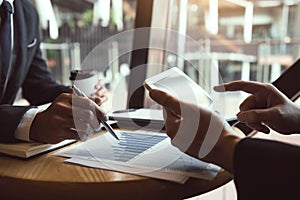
[85, 80]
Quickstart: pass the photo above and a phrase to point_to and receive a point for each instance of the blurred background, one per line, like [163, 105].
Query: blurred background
[243, 39]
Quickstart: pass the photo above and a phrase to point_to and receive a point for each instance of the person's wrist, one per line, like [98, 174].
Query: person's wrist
[223, 152]
[34, 129]
[230, 143]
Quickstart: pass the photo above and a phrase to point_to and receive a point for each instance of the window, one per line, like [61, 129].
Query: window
[248, 40]
[89, 38]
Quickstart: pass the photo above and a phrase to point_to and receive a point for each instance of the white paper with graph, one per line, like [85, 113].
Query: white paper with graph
[143, 152]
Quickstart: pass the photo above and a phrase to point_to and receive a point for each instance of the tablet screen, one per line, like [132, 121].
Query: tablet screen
[179, 85]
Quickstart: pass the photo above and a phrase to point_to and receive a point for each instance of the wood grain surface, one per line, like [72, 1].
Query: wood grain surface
[48, 177]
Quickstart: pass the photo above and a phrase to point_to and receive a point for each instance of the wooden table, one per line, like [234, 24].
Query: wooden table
[48, 177]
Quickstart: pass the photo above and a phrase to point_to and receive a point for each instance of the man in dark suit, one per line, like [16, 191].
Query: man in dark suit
[262, 169]
[28, 71]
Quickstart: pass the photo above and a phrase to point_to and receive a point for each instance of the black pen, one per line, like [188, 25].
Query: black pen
[124, 111]
[78, 92]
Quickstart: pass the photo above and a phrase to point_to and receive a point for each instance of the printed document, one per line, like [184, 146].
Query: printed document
[141, 152]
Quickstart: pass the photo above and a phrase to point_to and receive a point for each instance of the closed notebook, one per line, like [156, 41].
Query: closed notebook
[28, 149]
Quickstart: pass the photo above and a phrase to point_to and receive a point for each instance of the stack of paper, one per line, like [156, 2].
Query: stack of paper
[143, 153]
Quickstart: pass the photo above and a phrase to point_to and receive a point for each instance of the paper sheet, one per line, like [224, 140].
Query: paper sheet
[130, 169]
[144, 153]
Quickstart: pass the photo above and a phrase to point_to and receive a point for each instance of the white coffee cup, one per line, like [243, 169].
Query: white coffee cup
[85, 80]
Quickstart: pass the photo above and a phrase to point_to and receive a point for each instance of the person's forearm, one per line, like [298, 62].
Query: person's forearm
[223, 152]
[225, 158]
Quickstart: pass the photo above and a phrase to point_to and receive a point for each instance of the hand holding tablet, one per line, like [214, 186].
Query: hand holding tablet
[178, 84]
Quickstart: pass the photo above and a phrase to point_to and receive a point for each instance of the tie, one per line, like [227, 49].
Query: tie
[5, 42]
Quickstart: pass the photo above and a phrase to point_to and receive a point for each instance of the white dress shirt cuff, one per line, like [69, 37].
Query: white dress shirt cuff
[23, 129]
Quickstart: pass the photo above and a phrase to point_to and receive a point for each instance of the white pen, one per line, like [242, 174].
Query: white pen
[78, 92]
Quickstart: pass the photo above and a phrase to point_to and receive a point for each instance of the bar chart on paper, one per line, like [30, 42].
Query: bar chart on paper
[129, 146]
[144, 152]
[132, 144]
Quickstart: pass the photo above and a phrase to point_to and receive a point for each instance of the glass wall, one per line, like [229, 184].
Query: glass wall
[261, 33]
[241, 40]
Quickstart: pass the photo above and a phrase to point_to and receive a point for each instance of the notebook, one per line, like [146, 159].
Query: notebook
[29, 149]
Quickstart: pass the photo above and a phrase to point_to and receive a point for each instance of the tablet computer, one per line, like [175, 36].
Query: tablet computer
[176, 83]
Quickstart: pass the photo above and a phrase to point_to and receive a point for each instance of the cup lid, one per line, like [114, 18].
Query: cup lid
[81, 74]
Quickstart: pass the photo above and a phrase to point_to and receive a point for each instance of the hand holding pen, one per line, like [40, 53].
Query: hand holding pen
[100, 113]
[68, 117]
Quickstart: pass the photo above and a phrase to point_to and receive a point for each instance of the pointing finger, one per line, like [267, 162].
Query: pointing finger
[246, 86]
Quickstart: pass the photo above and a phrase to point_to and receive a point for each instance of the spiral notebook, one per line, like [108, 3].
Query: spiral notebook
[142, 152]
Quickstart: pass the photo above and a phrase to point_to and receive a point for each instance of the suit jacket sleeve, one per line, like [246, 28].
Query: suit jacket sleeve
[266, 170]
[39, 87]
[11, 117]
